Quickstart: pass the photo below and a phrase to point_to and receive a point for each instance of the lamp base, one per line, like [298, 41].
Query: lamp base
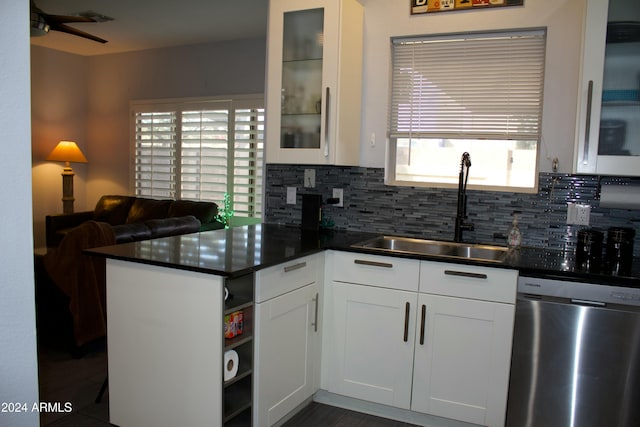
[67, 190]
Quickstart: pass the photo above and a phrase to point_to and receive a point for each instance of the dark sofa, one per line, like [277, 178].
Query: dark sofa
[137, 218]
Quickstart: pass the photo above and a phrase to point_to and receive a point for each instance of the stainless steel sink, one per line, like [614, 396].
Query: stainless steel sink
[436, 248]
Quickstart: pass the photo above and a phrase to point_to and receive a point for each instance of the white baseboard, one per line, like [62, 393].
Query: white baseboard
[384, 411]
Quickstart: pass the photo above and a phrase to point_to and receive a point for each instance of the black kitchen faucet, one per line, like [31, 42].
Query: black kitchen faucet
[461, 212]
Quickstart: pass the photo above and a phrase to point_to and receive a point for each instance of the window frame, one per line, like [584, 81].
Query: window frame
[232, 104]
[393, 135]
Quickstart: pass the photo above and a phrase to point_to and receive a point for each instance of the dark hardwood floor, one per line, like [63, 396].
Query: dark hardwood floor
[319, 415]
[68, 380]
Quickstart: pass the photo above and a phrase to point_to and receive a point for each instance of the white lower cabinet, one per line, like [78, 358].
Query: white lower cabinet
[426, 347]
[462, 358]
[287, 338]
[463, 342]
[371, 353]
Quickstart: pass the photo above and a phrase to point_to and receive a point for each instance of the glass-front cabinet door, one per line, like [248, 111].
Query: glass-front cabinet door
[314, 74]
[609, 107]
[301, 102]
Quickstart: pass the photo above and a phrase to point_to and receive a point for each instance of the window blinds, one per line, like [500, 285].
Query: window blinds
[485, 86]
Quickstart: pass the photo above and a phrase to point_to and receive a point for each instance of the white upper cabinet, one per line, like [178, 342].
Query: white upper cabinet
[314, 80]
[608, 120]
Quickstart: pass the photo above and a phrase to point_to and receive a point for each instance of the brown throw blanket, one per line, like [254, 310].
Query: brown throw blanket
[82, 278]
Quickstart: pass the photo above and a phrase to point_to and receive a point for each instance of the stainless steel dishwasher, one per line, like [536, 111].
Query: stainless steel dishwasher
[576, 355]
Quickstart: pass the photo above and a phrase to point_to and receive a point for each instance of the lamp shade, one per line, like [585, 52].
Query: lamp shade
[67, 151]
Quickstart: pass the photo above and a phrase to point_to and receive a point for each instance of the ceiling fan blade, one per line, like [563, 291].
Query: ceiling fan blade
[70, 30]
[62, 19]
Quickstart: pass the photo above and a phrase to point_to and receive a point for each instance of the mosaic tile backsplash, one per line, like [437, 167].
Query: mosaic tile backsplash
[429, 213]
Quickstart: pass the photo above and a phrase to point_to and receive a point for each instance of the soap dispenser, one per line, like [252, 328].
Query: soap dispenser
[514, 238]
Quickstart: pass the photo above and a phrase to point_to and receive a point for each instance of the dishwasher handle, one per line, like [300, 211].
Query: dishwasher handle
[587, 303]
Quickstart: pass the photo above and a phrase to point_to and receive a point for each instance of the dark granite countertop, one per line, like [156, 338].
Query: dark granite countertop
[241, 250]
[231, 252]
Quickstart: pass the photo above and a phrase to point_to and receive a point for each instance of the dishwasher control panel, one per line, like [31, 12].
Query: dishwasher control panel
[581, 291]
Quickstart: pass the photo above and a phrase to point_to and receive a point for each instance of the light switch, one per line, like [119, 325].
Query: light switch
[310, 178]
[291, 195]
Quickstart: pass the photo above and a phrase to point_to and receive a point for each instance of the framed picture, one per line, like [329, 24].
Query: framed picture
[419, 7]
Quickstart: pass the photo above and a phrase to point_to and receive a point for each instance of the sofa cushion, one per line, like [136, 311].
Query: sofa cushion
[204, 211]
[126, 233]
[173, 226]
[146, 209]
[113, 209]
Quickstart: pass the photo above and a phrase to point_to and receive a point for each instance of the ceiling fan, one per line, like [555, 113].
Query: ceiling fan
[42, 23]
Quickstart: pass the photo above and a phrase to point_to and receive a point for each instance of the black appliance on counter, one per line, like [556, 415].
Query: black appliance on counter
[589, 250]
[311, 212]
[618, 255]
[620, 250]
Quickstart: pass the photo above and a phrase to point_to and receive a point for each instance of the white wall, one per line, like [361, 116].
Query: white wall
[87, 99]
[562, 18]
[18, 363]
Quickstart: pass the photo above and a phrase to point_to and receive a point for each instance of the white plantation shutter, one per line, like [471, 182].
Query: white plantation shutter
[200, 151]
[155, 153]
[204, 154]
[468, 86]
[248, 159]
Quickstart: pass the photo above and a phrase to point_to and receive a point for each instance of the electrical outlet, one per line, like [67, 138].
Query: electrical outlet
[338, 193]
[310, 178]
[578, 214]
[583, 214]
[291, 195]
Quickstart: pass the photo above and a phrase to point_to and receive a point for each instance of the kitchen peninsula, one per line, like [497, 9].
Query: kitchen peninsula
[166, 309]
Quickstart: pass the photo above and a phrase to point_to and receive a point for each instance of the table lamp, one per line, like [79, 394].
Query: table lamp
[67, 151]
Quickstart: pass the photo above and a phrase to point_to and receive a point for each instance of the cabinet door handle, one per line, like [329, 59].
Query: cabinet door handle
[587, 129]
[293, 267]
[326, 122]
[465, 274]
[407, 308]
[424, 314]
[315, 319]
[373, 263]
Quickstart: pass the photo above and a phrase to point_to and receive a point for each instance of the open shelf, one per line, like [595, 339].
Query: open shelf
[240, 292]
[245, 362]
[247, 330]
[238, 398]
[238, 391]
[242, 419]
